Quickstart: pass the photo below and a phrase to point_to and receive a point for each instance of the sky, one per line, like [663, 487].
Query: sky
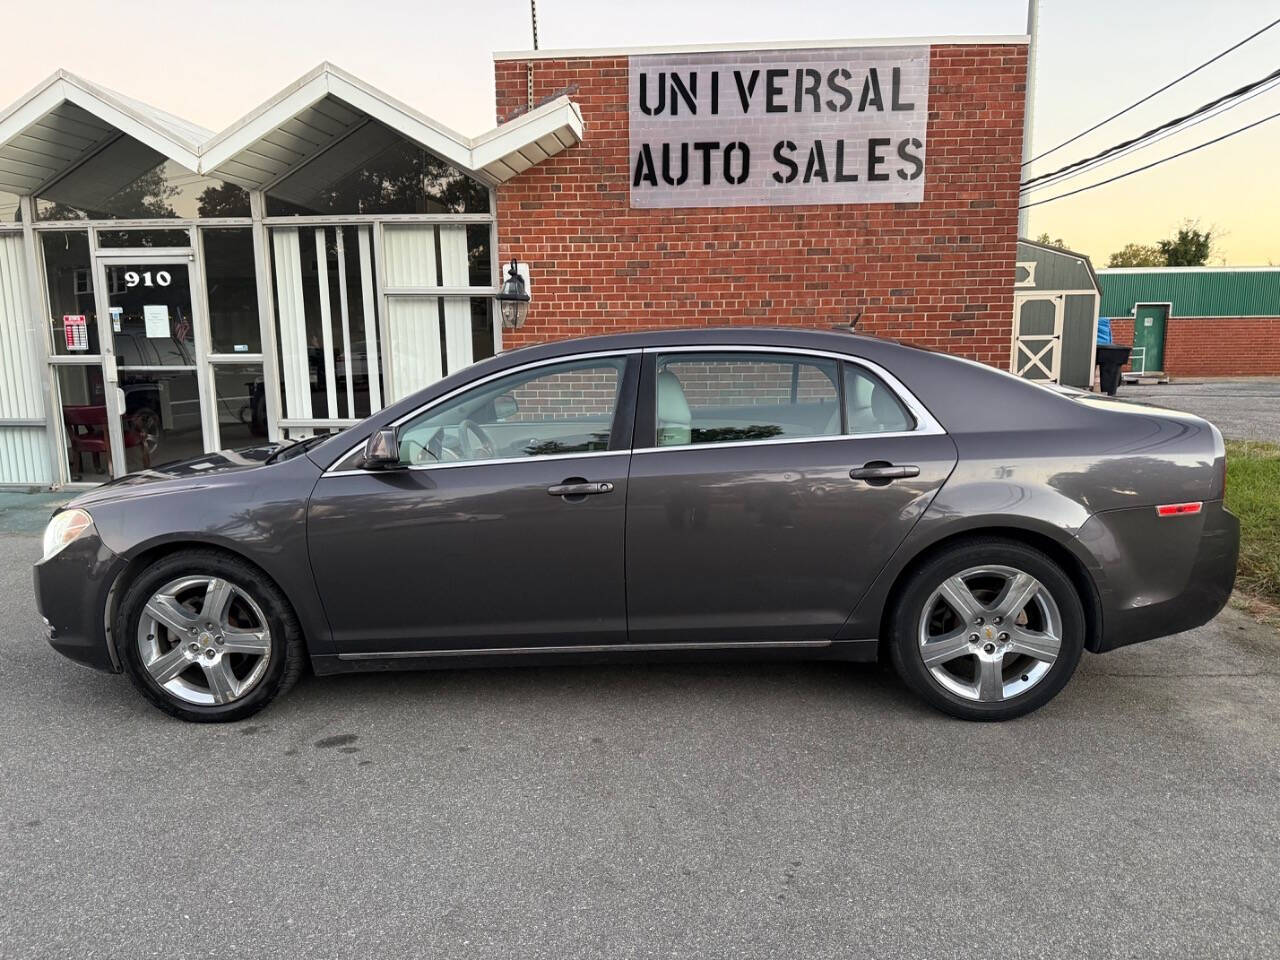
[212, 62]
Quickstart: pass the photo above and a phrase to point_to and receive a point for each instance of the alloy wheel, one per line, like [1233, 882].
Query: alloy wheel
[990, 633]
[204, 640]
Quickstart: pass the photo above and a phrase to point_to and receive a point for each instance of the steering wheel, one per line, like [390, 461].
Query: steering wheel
[483, 449]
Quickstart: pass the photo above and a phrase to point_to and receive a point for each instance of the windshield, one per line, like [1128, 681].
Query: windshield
[298, 447]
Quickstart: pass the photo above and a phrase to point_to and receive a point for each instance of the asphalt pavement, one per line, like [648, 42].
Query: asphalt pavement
[1243, 409]
[708, 811]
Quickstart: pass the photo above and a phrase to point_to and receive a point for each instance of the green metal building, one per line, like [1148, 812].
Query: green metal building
[1154, 296]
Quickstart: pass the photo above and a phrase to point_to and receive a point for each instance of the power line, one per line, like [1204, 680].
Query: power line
[1154, 93]
[1071, 175]
[1167, 125]
[1156, 163]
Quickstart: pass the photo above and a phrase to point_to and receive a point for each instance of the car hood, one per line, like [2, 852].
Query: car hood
[193, 472]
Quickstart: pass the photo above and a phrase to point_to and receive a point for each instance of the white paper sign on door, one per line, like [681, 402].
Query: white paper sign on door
[156, 317]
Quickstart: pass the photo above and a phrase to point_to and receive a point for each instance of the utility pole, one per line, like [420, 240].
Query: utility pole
[1033, 28]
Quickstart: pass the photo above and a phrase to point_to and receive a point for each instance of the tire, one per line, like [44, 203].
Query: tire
[255, 639]
[960, 678]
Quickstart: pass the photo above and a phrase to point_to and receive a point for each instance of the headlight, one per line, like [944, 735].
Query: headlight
[64, 528]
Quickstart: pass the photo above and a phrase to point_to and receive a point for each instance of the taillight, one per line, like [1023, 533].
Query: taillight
[1178, 509]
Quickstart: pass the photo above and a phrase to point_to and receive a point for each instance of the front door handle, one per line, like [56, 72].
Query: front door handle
[579, 488]
[879, 472]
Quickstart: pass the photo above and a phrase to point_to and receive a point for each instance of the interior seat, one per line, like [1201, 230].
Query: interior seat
[675, 420]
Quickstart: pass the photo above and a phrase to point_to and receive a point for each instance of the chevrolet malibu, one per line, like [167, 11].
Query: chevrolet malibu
[745, 492]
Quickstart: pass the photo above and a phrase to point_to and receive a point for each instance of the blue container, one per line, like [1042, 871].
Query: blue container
[1104, 330]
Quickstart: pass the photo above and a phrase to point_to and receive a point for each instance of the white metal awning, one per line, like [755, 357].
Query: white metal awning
[328, 105]
[66, 120]
[48, 133]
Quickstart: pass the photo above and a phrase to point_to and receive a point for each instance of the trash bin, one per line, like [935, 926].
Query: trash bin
[1110, 359]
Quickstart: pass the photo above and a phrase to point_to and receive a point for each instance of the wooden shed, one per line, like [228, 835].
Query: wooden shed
[1056, 296]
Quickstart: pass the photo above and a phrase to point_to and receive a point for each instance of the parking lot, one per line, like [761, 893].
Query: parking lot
[643, 811]
[1243, 409]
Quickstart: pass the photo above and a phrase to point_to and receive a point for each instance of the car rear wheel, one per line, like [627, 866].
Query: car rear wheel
[207, 638]
[988, 630]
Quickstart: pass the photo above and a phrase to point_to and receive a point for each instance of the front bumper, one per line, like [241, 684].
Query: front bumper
[1161, 575]
[72, 588]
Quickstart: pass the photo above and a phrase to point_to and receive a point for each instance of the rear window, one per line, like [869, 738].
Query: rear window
[733, 397]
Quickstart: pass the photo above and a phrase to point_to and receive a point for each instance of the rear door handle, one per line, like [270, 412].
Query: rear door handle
[579, 488]
[881, 472]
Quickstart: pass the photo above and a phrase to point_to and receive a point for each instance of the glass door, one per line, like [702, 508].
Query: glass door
[151, 327]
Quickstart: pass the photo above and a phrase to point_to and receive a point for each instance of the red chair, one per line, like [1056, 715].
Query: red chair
[87, 433]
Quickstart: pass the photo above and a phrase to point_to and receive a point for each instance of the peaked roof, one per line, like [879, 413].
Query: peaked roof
[65, 120]
[328, 104]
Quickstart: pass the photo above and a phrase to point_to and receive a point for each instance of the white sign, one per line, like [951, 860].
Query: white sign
[156, 317]
[748, 128]
[117, 314]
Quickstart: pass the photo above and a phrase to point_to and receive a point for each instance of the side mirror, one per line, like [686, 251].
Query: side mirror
[505, 406]
[381, 450]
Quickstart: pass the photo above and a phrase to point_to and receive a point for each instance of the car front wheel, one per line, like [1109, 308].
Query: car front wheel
[987, 630]
[207, 638]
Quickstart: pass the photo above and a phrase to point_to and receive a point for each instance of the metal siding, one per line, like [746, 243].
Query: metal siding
[24, 453]
[1194, 293]
[24, 456]
[20, 385]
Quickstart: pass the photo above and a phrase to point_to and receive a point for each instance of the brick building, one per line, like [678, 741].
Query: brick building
[937, 270]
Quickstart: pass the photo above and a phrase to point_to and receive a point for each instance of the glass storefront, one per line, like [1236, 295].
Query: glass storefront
[160, 421]
[82, 394]
[127, 180]
[155, 329]
[73, 316]
[375, 170]
[232, 289]
[240, 400]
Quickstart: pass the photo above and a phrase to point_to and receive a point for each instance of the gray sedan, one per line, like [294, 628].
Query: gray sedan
[740, 492]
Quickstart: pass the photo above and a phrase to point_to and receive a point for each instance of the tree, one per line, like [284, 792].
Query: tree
[1137, 255]
[226, 200]
[1044, 240]
[1189, 248]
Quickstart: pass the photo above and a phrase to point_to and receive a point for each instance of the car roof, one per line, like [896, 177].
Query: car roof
[835, 340]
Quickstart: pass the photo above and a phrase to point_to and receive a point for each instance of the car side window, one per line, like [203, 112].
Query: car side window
[870, 406]
[559, 408]
[704, 398]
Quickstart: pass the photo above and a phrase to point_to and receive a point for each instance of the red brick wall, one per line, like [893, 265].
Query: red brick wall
[938, 273]
[1214, 346]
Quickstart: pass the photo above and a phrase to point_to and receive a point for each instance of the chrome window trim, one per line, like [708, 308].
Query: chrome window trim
[926, 424]
[451, 464]
[533, 364]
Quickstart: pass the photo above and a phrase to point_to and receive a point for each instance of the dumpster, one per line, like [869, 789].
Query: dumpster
[1111, 357]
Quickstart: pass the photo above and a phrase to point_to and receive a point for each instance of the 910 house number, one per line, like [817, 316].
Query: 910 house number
[160, 278]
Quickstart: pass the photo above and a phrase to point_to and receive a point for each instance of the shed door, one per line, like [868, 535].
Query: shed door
[1148, 338]
[1037, 336]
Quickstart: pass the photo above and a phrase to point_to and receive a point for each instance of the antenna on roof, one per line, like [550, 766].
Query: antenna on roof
[854, 322]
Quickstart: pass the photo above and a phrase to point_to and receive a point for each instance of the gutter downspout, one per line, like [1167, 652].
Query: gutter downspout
[1033, 25]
